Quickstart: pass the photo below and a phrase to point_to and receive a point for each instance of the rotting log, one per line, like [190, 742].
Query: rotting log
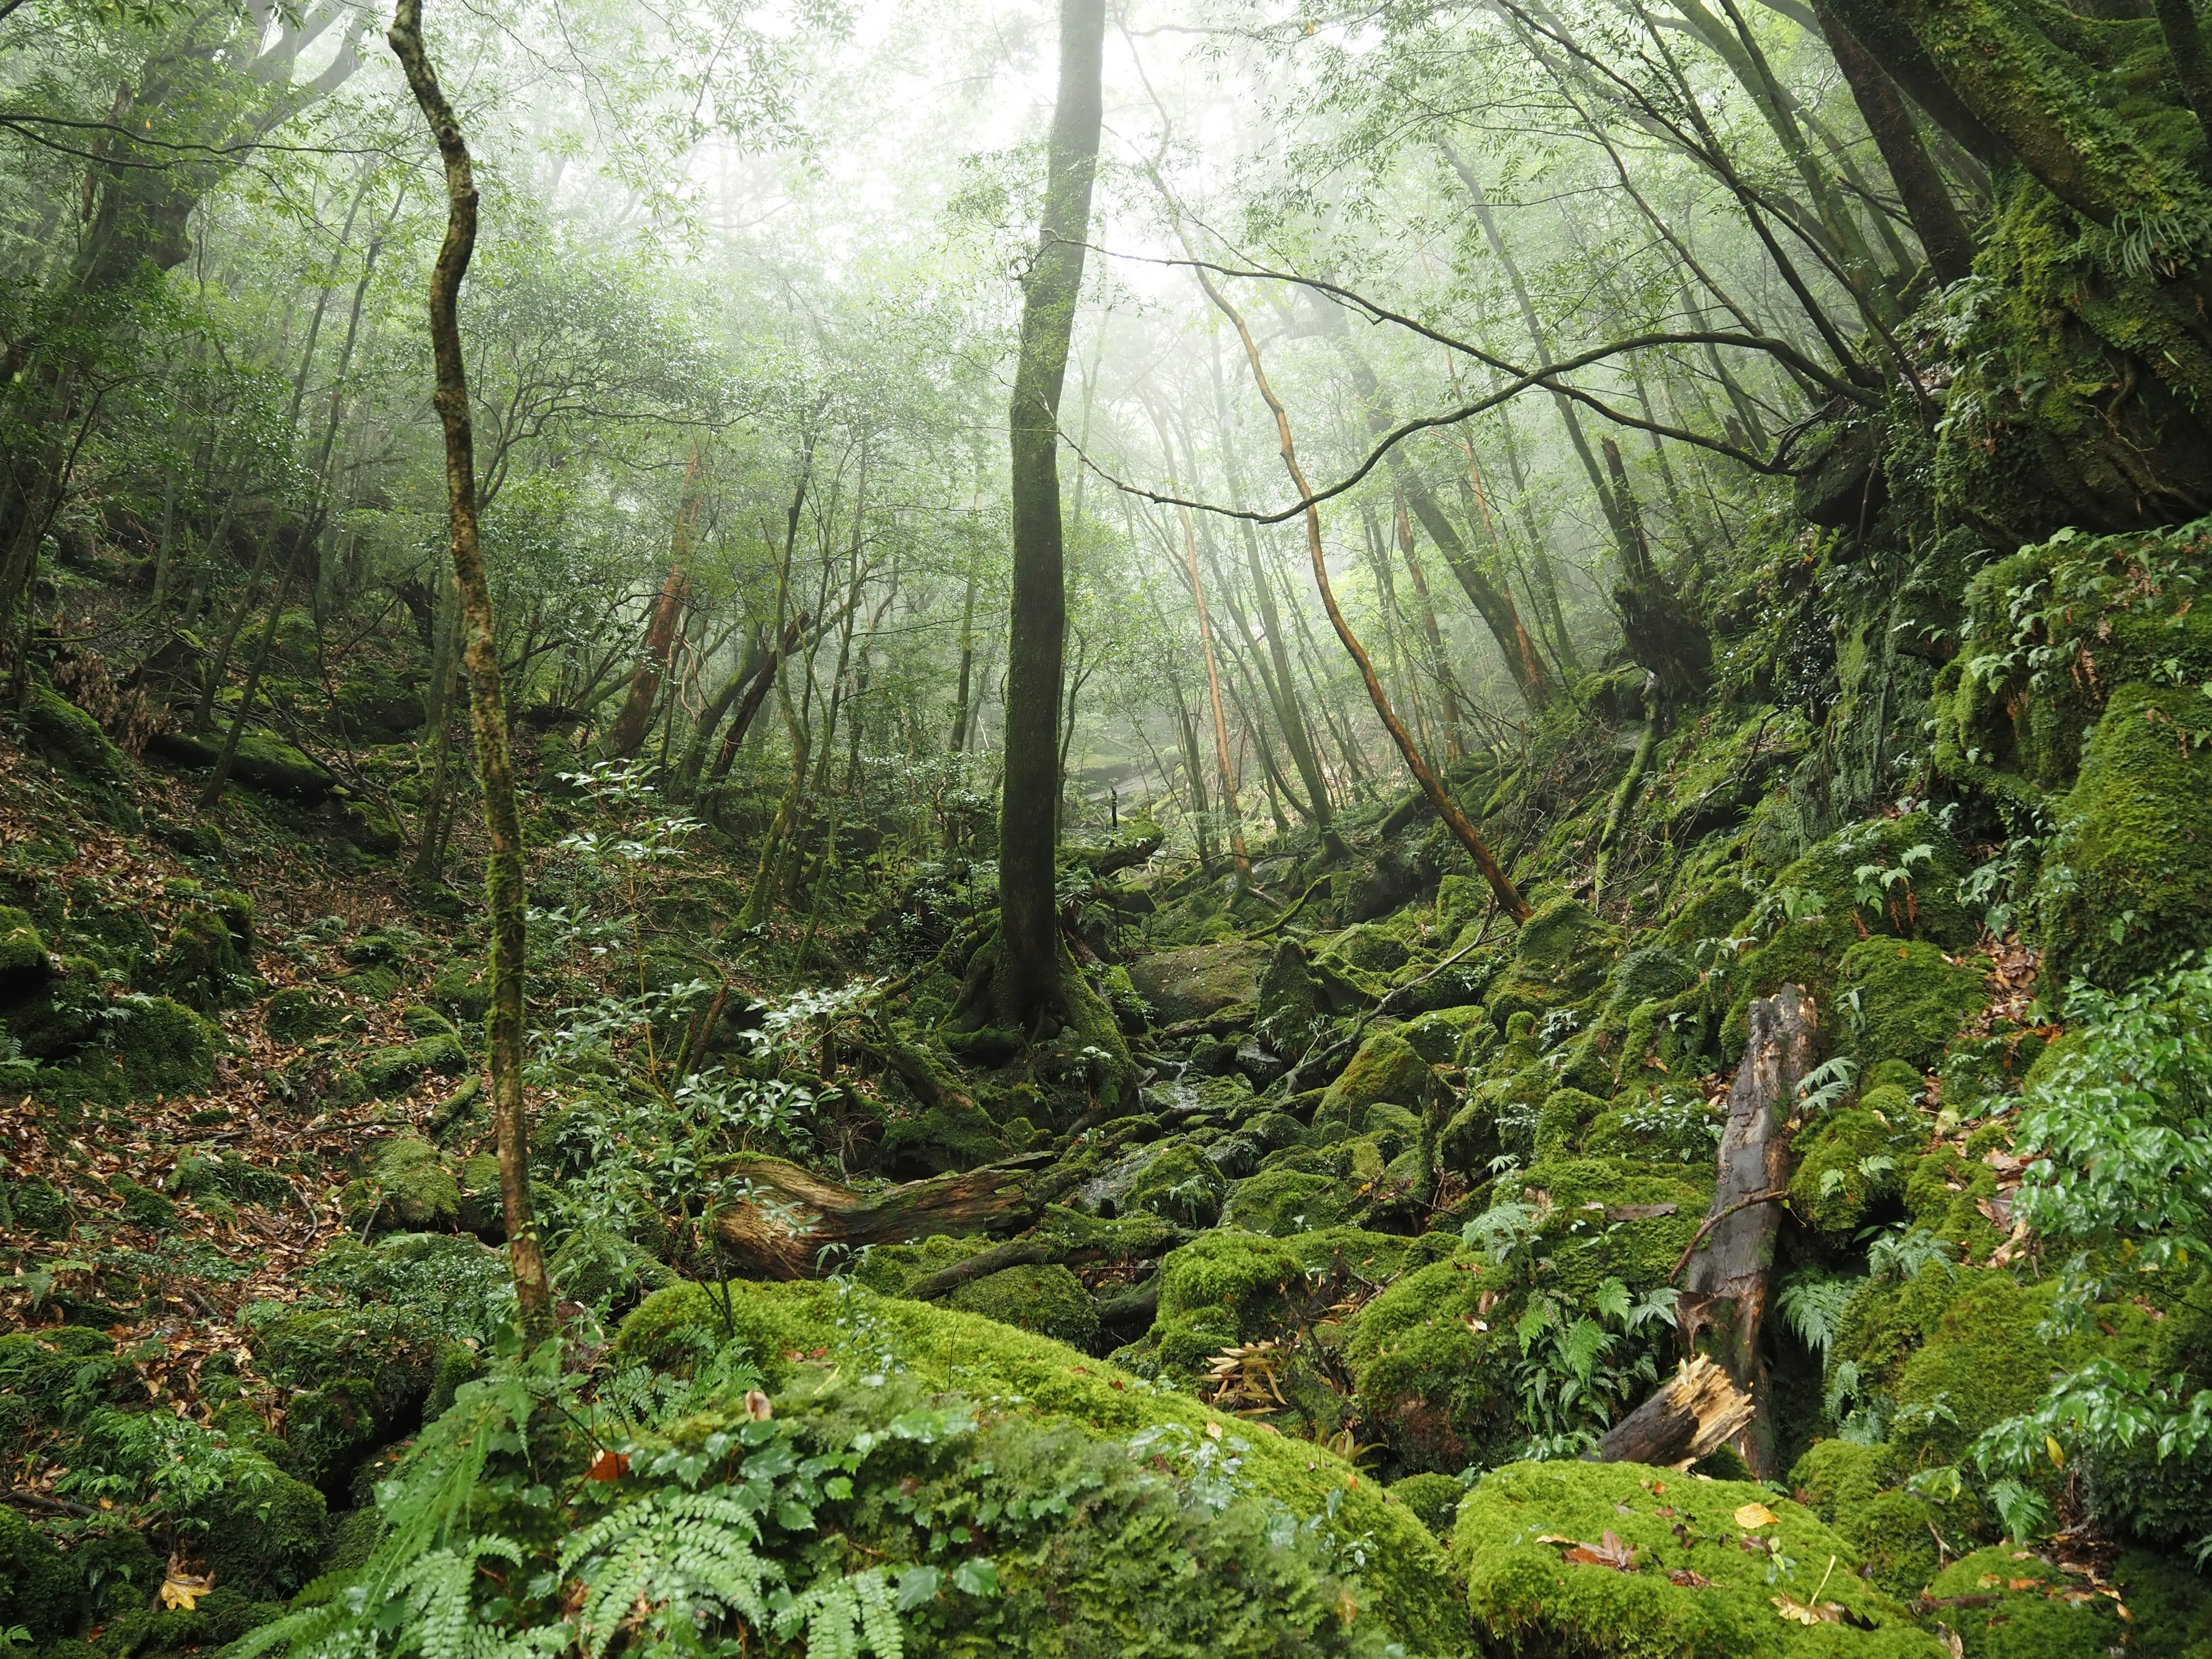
[1728, 1277]
[791, 1224]
[1696, 1411]
[1063, 1237]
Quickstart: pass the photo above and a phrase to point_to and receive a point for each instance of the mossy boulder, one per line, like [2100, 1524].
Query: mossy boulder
[463, 989]
[407, 1189]
[1182, 1185]
[164, 1048]
[1560, 958]
[38, 1584]
[1697, 1582]
[2126, 886]
[1434, 1497]
[298, 1014]
[1386, 1068]
[1371, 947]
[1406, 1581]
[201, 964]
[1221, 1289]
[1851, 1160]
[25, 967]
[1563, 1120]
[268, 763]
[1046, 1298]
[1854, 1488]
[1451, 1036]
[68, 739]
[1440, 1390]
[1282, 1201]
[263, 1531]
[386, 1072]
[1906, 999]
[1200, 980]
[2006, 1602]
[955, 1136]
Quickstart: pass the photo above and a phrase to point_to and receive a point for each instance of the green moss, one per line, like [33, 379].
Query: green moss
[462, 987]
[24, 967]
[1904, 1000]
[409, 1189]
[1406, 1583]
[1282, 1201]
[296, 1014]
[1525, 1598]
[482, 1209]
[201, 964]
[1386, 1068]
[1944, 1193]
[602, 1269]
[1182, 1185]
[1852, 1488]
[275, 767]
[1851, 1160]
[1047, 1299]
[37, 1205]
[1434, 1497]
[1559, 958]
[1449, 1036]
[2126, 882]
[1561, 1121]
[2007, 1603]
[1712, 915]
[1219, 1290]
[70, 738]
[1440, 1390]
[387, 1071]
[38, 1589]
[144, 1207]
[263, 1531]
[942, 1139]
[117, 1569]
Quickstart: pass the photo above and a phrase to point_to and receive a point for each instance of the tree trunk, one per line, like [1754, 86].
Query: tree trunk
[504, 895]
[1659, 631]
[1730, 1277]
[958, 741]
[636, 716]
[1693, 1414]
[1935, 220]
[1026, 989]
[796, 1226]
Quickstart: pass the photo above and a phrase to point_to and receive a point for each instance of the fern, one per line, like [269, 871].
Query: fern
[1812, 1304]
[686, 1555]
[846, 1617]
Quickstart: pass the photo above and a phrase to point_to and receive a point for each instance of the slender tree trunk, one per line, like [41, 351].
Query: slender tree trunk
[1439, 658]
[1935, 220]
[504, 897]
[958, 741]
[1026, 986]
[636, 716]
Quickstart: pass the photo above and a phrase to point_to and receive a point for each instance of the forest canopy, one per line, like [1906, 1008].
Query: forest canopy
[1151, 828]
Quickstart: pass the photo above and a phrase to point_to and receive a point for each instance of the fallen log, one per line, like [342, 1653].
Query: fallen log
[1727, 1281]
[787, 1224]
[1695, 1412]
[1065, 1237]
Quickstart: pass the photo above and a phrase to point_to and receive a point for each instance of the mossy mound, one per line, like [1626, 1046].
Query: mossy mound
[68, 739]
[2006, 1602]
[1281, 1201]
[1200, 980]
[1852, 1487]
[297, 1014]
[1219, 1290]
[1697, 1582]
[1434, 1497]
[1182, 1185]
[1438, 1389]
[1386, 1068]
[1560, 958]
[38, 1584]
[1406, 1582]
[407, 1189]
[24, 965]
[1906, 1000]
[1047, 1299]
[942, 1139]
[2126, 882]
[1852, 1160]
[202, 963]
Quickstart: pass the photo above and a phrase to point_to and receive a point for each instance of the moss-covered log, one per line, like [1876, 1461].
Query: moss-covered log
[792, 1224]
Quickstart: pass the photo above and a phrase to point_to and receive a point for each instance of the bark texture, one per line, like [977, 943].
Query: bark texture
[1696, 1411]
[1728, 1275]
[1025, 988]
[792, 1224]
[503, 882]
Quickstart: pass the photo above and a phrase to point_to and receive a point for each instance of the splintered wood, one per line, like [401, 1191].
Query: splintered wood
[1695, 1412]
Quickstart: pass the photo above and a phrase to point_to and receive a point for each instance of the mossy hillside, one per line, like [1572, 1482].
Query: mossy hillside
[1525, 1598]
[2126, 880]
[1409, 1577]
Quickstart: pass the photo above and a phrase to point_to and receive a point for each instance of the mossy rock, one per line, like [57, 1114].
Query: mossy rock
[463, 989]
[2126, 886]
[117, 1569]
[1182, 1185]
[1652, 973]
[1922, 903]
[163, 1048]
[142, 1206]
[1370, 946]
[1563, 1120]
[296, 1014]
[1441, 1391]
[481, 1210]
[407, 1189]
[36, 1206]
[1854, 1489]
[1561, 957]
[1386, 1068]
[25, 967]
[201, 964]
[602, 1269]
[1046, 1298]
[1527, 1598]
[1944, 1193]
[365, 825]
[1406, 1583]
[1434, 1497]
[265, 1531]
[268, 763]
[1449, 1036]
[1221, 1289]
[38, 1584]
[2006, 1602]
[386, 947]
[1851, 1160]
[1713, 914]
[1911, 1000]
[229, 1176]
[1200, 980]
[68, 739]
[942, 1139]
[1280, 1202]
[386, 1072]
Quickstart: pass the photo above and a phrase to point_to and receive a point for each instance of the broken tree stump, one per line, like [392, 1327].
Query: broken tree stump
[787, 1224]
[1696, 1411]
[1727, 1276]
